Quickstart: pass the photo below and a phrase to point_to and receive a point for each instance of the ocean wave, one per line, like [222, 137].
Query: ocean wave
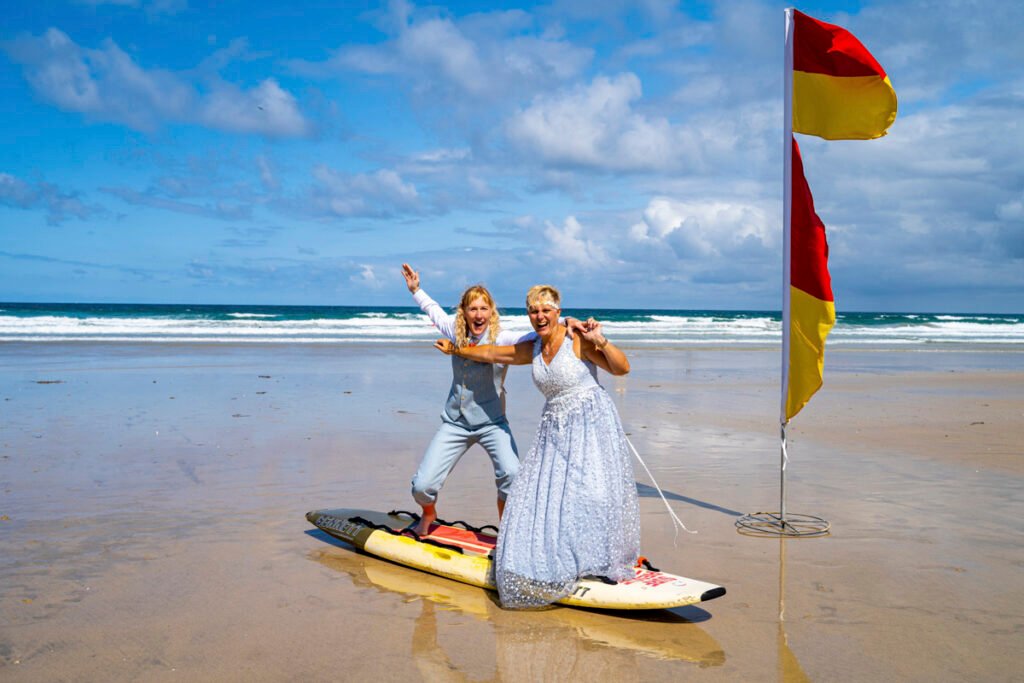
[315, 325]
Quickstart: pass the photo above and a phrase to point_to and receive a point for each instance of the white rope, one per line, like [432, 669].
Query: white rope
[677, 523]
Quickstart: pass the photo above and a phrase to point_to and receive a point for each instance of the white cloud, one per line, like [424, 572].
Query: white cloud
[108, 85]
[59, 204]
[595, 126]
[567, 244]
[706, 229]
[379, 194]
[367, 277]
[1011, 211]
[264, 109]
[932, 52]
[483, 56]
[942, 185]
[443, 156]
[440, 47]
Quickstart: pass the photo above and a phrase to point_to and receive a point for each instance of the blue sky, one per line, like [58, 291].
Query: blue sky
[627, 151]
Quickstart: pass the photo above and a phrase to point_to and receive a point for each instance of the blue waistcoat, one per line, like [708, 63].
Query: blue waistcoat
[477, 396]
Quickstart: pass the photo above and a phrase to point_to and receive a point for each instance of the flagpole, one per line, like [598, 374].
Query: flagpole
[787, 224]
[841, 93]
[779, 523]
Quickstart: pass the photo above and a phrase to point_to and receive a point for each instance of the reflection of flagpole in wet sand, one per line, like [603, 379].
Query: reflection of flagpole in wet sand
[790, 670]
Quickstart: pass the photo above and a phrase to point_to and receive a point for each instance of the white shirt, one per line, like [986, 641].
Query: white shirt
[445, 323]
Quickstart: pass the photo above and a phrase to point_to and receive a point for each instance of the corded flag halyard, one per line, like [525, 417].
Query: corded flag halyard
[834, 89]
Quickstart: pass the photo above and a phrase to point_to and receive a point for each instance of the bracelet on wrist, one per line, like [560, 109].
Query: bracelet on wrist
[600, 347]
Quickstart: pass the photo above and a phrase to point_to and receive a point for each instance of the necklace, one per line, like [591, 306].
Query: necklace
[546, 349]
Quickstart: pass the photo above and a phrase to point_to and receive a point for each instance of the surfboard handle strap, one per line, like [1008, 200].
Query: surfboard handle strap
[646, 564]
[465, 525]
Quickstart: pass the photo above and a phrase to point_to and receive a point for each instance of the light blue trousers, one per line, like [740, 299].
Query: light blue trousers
[450, 444]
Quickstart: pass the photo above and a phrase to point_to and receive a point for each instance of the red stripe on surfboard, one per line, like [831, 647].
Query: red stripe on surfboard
[463, 538]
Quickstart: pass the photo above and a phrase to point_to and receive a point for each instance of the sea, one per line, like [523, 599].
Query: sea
[220, 324]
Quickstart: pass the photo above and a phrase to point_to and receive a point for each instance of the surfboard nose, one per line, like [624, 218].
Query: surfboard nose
[712, 594]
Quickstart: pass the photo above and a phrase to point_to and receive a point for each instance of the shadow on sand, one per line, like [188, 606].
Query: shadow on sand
[645, 491]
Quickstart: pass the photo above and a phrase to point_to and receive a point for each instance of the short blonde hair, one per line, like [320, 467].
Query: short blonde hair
[462, 328]
[542, 292]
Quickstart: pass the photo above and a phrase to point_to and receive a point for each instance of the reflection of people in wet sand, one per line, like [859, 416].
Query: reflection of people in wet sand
[557, 645]
[573, 508]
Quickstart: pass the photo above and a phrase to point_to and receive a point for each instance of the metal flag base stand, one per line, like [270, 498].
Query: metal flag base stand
[782, 524]
[774, 525]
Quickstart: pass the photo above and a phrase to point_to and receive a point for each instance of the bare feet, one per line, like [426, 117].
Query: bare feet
[422, 527]
[501, 508]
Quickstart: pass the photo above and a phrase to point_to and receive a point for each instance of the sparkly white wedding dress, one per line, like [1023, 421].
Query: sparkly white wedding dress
[572, 511]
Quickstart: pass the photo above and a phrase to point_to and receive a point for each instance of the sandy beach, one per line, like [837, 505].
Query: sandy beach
[152, 502]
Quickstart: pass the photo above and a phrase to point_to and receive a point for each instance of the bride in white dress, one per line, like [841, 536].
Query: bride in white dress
[572, 511]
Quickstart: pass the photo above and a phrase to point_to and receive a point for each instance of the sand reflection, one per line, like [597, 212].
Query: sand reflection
[559, 643]
[790, 670]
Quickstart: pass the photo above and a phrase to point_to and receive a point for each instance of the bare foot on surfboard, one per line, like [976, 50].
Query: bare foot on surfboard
[422, 527]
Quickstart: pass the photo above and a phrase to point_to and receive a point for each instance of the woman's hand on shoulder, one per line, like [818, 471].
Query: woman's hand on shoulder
[445, 346]
[574, 326]
[600, 351]
[593, 334]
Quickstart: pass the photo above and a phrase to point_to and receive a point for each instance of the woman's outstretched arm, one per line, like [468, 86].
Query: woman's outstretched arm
[520, 354]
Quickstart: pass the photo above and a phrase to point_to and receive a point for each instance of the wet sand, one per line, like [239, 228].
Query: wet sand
[152, 502]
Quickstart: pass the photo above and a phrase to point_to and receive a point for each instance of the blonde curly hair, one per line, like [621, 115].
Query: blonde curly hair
[462, 328]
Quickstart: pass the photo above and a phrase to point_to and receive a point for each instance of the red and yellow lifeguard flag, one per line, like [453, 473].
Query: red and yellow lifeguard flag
[812, 309]
[839, 91]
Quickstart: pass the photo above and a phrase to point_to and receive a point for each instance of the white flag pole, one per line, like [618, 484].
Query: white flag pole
[787, 225]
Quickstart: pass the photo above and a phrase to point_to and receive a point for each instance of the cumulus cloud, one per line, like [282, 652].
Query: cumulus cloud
[264, 109]
[596, 126]
[706, 229]
[932, 55]
[1012, 211]
[367, 277]
[945, 184]
[379, 194]
[567, 243]
[486, 56]
[106, 84]
[58, 204]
